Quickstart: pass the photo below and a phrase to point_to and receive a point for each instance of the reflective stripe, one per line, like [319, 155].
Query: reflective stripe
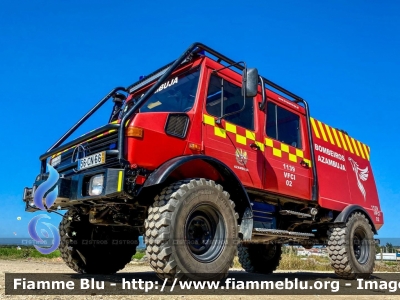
[343, 141]
[292, 157]
[366, 151]
[88, 140]
[209, 120]
[299, 153]
[260, 145]
[285, 148]
[355, 146]
[336, 137]
[230, 127]
[348, 143]
[277, 152]
[119, 181]
[269, 142]
[220, 132]
[241, 139]
[329, 134]
[315, 128]
[339, 139]
[361, 150]
[321, 128]
[250, 135]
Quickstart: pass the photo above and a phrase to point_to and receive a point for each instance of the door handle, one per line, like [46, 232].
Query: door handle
[304, 164]
[254, 146]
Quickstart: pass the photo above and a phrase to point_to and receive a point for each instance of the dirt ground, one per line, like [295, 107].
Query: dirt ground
[145, 272]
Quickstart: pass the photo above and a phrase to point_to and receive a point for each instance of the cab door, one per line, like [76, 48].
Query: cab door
[287, 154]
[232, 139]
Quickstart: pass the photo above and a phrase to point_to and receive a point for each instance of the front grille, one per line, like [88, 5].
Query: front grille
[105, 142]
[177, 125]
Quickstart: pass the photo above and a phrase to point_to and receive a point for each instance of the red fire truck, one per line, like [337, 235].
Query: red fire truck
[206, 159]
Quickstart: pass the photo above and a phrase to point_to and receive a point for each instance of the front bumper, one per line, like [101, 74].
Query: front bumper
[74, 190]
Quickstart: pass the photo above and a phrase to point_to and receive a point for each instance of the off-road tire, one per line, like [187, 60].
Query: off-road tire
[342, 249]
[259, 258]
[168, 224]
[85, 252]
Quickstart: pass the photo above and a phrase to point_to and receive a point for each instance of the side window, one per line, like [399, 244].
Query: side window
[232, 101]
[283, 125]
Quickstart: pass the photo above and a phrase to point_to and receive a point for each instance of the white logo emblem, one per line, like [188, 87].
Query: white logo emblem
[241, 156]
[361, 175]
[79, 152]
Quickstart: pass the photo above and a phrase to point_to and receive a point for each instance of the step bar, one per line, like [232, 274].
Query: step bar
[294, 213]
[260, 232]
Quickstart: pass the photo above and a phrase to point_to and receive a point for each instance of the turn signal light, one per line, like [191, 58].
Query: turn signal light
[194, 147]
[134, 132]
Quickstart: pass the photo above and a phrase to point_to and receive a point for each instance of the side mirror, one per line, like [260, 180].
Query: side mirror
[250, 82]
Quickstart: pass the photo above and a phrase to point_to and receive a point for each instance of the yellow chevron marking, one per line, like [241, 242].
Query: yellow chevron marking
[322, 131]
[336, 137]
[355, 146]
[348, 143]
[343, 141]
[366, 151]
[314, 128]
[329, 134]
[361, 150]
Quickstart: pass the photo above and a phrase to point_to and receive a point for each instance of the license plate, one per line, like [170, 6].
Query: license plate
[92, 160]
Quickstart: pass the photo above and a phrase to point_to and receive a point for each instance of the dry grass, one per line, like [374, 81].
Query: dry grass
[311, 263]
[23, 252]
[294, 262]
[387, 266]
[291, 261]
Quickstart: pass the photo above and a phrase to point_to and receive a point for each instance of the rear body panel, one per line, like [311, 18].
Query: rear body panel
[344, 172]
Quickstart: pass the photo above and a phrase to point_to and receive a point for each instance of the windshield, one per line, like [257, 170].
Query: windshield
[177, 94]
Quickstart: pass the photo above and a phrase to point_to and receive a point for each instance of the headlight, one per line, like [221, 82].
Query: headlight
[96, 185]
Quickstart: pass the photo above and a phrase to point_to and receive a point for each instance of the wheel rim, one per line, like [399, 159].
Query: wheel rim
[204, 233]
[360, 245]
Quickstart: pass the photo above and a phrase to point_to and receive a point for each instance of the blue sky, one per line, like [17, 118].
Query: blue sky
[58, 58]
